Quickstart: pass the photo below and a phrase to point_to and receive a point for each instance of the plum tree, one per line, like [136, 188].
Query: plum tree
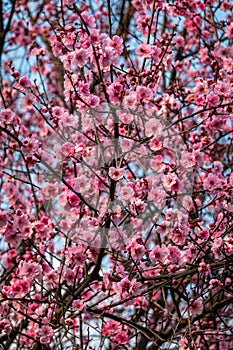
[116, 174]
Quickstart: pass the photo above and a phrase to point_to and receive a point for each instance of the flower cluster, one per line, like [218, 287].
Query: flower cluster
[116, 175]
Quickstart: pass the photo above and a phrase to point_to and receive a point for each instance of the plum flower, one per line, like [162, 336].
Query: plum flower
[137, 250]
[196, 307]
[213, 100]
[116, 173]
[153, 128]
[155, 144]
[79, 305]
[156, 164]
[231, 179]
[229, 31]
[89, 20]
[7, 116]
[126, 193]
[144, 50]
[111, 327]
[80, 57]
[5, 326]
[30, 145]
[158, 254]
[183, 344]
[211, 182]
[50, 191]
[23, 83]
[67, 149]
[3, 218]
[117, 44]
[122, 338]
[73, 200]
[115, 91]
[30, 269]
[46, 334]
[142, 93]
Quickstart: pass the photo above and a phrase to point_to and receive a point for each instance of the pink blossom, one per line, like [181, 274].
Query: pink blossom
[143, 22]
[83, 89]
[212, 182]
[8, 259]
[51, 278]
[137, 250]
[126, 192]
[231, 179]
[213, 99]
[10, 235]
[174, 254]
[158, 254]
[23, 83]
[46, 334]
[140, 303]
[50, 191]
[203, 267]
[122, 338]
[79, 305]
[215, 283]
[183, 343]
[170, 181]
[222, 89]
[111, 328]
[188, 160]
[28, 101]
[156, 54]
[68, 275]
[80, 184]
[30, 145]
[179, 41]
[67, 149]
[80, 57]
[93, 101]
[196, 307]
[3, 218]
[7, 116]
[229, 31]
[125, 284]
[144, 50]
[69, 2]
[117, 44]
[73, 200]
[155, 144]
[21, 220]
[153, 128]
[228, 65]
[157, 164]
[116, 173]
[200, 100]
[217, 167]
[137, 206]
[143, 93]
[108, 56]
[203, 234]
[5, 326]
[115, 91]
[30, 269]
[126, 145]
[178, 235]
[158, 196]
[20, 288]
[89, 20]
[28, 340]
[58, 112]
